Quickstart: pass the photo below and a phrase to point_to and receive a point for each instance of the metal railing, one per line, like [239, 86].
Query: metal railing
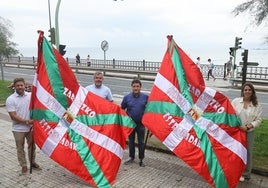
[141, 69]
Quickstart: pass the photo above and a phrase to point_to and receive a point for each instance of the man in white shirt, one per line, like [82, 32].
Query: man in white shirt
[99, 89]
[17, 105]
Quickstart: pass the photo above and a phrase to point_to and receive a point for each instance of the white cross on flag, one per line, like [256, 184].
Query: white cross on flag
[197, 123]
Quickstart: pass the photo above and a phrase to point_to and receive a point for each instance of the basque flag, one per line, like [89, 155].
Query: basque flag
[197, 123]
[79, 130]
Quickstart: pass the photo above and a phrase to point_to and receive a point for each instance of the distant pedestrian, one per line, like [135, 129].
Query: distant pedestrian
[198, 64]
[99, 89]
[210, 69]
[228, 66]
[17, 105]
[77, 59]
[134, 103]
[88, 60]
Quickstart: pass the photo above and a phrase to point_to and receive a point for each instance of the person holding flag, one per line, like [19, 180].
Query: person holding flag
[17, 105]
[134, 103]
[89, 131]
[249, 111]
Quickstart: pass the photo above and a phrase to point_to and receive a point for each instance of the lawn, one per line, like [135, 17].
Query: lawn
[260, 150]
[4, 91]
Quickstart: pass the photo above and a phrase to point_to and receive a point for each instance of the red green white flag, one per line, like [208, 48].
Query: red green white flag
[197, 123]
[81, 131]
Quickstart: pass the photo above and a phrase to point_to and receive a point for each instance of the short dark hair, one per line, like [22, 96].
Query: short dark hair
[97, 73]
[18, 80]
[136, 81]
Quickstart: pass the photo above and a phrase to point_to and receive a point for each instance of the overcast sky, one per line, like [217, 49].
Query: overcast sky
[137, 29]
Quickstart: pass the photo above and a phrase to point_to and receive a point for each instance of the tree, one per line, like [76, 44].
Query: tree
[258, 8]
[7, 47]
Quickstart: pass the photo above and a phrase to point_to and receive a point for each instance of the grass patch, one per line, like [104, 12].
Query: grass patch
[260, 149]
[4, 91]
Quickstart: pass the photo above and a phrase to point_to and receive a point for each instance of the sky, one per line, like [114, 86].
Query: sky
[137, 29]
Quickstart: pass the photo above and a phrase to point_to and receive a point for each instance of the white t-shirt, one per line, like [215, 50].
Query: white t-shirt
[101, 91]
[20, 105]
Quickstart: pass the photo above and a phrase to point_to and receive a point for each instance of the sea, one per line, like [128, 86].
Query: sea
[149, 54]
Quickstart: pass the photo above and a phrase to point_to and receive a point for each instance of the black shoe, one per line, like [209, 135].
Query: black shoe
[129, 161]
[36, 166]
[142, 164]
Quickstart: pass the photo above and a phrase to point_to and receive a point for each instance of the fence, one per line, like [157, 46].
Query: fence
[141, 69]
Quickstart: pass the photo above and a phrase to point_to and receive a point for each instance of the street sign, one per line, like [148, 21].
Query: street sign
[104, 45]
[250, 63]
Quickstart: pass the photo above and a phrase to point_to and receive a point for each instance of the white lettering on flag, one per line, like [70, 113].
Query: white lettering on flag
[205, 98]
[177, 134]
[78, 100]
[54, 138]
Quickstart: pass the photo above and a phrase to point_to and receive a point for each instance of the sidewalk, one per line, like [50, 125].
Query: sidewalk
[162, 170]
[220, 83]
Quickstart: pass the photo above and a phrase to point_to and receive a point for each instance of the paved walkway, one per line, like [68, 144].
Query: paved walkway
[162, 170]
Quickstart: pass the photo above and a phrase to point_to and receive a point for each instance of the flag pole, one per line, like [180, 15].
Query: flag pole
[32, 150]
[146, 139]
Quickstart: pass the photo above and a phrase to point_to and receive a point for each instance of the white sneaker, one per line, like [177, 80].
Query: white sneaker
[241, 179]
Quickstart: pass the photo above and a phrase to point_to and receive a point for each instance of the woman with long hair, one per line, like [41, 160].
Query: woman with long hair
[249, 111]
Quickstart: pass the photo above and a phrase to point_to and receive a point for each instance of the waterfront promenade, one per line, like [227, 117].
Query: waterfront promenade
[162, 170]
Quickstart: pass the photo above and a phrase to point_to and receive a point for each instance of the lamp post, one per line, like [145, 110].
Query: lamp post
[57, 25]
[57, 36]
[49, 14]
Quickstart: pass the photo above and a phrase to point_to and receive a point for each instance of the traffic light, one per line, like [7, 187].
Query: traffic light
[245, 56]
[245, 66]
[52, 35]
[62, 49]
[238, 42]
[232, 51]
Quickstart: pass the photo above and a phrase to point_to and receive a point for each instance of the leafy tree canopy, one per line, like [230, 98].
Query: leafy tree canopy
[257, 8]
[7, 47]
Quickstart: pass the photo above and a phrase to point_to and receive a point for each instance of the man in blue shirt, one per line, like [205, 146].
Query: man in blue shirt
[134, 103]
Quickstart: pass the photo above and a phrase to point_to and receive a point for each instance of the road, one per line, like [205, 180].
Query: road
[121, 86]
